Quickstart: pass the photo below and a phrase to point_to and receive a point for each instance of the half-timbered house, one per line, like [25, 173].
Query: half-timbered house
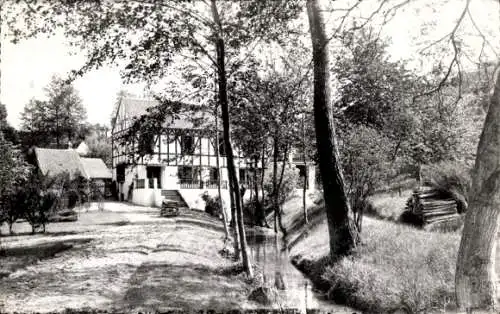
[181, 164]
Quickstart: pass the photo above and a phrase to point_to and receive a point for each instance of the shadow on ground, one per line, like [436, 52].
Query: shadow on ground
[162, 286]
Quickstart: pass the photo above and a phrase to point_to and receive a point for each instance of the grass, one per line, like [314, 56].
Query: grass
[396, 268]
[99, 262]
[389, 205]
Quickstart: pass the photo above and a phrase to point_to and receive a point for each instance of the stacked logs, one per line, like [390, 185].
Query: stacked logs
[431, 207]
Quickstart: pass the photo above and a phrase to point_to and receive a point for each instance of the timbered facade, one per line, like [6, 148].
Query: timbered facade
[182, 159]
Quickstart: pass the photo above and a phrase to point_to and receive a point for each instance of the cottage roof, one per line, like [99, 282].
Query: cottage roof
[58, 161]
[95, 168]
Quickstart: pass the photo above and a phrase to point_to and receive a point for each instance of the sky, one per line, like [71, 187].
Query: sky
[26, 68]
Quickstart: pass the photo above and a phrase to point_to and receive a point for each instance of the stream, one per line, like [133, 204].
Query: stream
[295, 290]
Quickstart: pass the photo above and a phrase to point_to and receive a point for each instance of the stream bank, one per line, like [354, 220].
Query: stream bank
[289, 287]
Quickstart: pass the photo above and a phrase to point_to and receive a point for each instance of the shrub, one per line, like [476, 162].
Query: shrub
[212, 205]
[14, 173]
[453, 179]
[73, 198]
[365, 161]
[38, 200]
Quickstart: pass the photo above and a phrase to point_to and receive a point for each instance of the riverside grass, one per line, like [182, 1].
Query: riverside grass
[396, 268]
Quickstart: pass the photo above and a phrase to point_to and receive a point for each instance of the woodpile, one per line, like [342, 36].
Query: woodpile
[431, 207]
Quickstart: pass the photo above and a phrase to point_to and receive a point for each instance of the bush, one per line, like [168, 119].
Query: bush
[365, 161]
[212, 205]
[453, 179]
[73, 198]
[38, 200]
[14, 173]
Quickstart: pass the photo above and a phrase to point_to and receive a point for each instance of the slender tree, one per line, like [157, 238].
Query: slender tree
[342, 231]
[217, 163]
[223, 101]
[306, 170]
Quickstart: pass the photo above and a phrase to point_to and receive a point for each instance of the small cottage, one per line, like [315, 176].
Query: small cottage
[58, 161]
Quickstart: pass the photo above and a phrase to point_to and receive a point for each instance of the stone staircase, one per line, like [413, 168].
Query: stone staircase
[175, 196]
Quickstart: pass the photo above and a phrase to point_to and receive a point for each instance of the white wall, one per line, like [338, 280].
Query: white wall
[169, 178]
[147, 196]
[194, 200]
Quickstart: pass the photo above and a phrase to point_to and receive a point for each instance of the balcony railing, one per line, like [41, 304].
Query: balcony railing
[297, 158]
[196, 184]
[191, 184]
[213, 184]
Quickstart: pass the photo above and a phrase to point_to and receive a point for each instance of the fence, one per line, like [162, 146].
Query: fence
[196, 184]
[214, 184]
[191, 184]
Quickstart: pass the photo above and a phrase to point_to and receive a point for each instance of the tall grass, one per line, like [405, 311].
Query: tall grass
[396, 268]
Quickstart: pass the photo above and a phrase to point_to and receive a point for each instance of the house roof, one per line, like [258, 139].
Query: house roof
[58, 161]
[195, 120]
[95, 168]
[136, 107]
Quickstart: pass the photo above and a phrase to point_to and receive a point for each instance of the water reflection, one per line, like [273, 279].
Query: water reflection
[294, 289]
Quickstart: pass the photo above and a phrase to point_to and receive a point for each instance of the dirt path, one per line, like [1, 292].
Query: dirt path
[131, 260]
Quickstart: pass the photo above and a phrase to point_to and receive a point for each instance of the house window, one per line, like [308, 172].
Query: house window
[185, 174]
[154, 172]
[214, 174]
[302, 174]
[187, 145]
[243, 176]
[188, 174]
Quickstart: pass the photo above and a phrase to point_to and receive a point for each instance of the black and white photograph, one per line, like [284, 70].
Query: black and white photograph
[251, 156]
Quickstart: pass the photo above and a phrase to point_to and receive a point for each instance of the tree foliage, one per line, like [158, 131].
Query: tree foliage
[14, 174]
[54, 122]
[99, 143]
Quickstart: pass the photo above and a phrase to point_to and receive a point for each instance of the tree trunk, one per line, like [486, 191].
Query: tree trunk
[217, 163]
[259, 210]
[475, 275]
[304, 156]
[234, 224]
[263, 160]
[219, 45]
[278, 189]
[275, 183]
[342, 231]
